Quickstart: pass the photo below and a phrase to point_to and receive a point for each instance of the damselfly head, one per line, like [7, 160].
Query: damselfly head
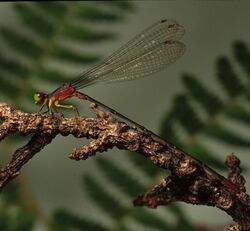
[40, 97]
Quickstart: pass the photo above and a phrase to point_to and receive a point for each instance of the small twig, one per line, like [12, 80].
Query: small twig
[191, 181]
[234, 171]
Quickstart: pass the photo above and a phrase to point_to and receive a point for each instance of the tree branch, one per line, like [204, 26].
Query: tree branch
[191, 181]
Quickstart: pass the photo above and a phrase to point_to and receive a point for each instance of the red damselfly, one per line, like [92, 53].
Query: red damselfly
[149, 52]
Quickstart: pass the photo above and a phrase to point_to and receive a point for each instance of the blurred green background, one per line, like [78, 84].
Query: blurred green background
[56, 193]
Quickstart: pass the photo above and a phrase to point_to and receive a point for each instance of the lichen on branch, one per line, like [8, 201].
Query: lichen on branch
[191, 181]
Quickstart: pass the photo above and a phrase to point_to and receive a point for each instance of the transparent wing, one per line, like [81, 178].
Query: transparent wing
[148, 52]
[146, 64]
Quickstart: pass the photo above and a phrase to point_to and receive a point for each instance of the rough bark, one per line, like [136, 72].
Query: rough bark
[191, 181]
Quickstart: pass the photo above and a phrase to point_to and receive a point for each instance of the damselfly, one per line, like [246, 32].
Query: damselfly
[147, 53]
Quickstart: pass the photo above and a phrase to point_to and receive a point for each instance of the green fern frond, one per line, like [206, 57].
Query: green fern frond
[228, 78]
[131, 187]
[52, 75]
[221, 133]
[34, 20]
[122, 5]
[99, 195]
[6, 84]
[54, 9]
[239, 114]
[78, 33]
[46, 32]
[13, 67]
[16, 219]
[66, 54]
[94, 14]
[112, 207]
[202, 94]
[183, 222]
[14, 216]
[242, 56]
[187, 116]
[204, 154]
[167, 131]
[46, 25]
[104, 200]
[38, 42]
[11, 193]
[21, 43]
[67, 221]
[147, 167]
[120, 178]
[150, 221]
